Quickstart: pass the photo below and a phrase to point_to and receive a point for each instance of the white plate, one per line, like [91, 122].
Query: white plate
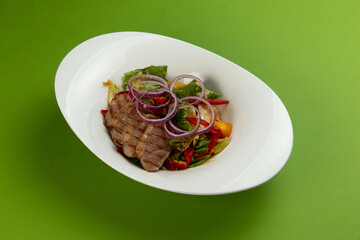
[262, 136]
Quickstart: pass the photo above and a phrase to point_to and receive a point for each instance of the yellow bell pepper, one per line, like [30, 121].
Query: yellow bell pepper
[225, 128]
[176, 85]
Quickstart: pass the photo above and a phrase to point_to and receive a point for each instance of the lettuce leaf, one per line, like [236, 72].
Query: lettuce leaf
[202, 141]
[180, 121]
[199, 161]
[211, 94]
[174, 142]
[202, 145]
[221, 144]
[190, 89]
[153, 70]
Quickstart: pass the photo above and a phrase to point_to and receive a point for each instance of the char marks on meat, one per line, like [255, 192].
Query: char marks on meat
[153, 148]
[118, 103]
[115, 106]
[137, 139]
[123, 118]
[131, 136]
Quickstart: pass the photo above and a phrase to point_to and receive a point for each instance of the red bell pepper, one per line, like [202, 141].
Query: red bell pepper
[103, 112]
[212, 143]
[193, 121]
[188, 153]
[120, 150]
[179, 164]
[160, 99]
[201, 155]
[169, 165]
[217, 102]
[122, 92]
[211, 101]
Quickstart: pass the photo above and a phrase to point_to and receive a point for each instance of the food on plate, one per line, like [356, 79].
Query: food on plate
[164, 124]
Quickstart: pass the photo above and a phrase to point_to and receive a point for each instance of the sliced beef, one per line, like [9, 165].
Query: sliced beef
[115, 106]
[116, 137]
[118, 103]
[137, 139]
[153, 148]
[131, 136]
[124, 117]
[107, 119]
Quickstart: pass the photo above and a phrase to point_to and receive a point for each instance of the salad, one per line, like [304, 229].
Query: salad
[180, 122]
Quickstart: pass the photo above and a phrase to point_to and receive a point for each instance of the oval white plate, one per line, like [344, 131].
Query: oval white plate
[262, 136]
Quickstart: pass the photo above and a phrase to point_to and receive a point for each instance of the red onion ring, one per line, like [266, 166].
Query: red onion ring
[144, 105]
[178, 130]
[211, 109]
[152, 77]
[171, 113]
[174, 131]
[192, 77]
[184, 134]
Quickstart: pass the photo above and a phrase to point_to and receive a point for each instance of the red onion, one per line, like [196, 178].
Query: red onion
[211, 109]
[184, 134]
[174, 131]
[178, 130]
[171, 113]
[192, 77]
[144, 105]
[161, 82]
[178, 136]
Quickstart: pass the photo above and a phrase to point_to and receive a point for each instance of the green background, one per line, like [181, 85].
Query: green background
[308, 52]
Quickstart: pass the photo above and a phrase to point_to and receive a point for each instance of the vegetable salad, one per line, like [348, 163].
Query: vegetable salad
[194, 125]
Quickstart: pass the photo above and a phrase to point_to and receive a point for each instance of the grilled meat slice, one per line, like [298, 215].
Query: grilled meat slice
[118, 103]
[116, 137]
[126, 116]
[137, 139]
[131, 136]
[107, 119]
[115, 106]
[153, 148]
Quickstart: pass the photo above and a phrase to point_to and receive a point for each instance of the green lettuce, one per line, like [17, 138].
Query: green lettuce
[199, 161]
[202, 145]
[174, 142]
[179, 119]
[190, 89]
[211, 94]
[153, 70]
[220, 145]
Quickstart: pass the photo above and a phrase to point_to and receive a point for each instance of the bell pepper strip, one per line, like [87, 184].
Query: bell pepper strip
[201, 155]
[122, 92]
[169, 165]
[213, 140]
[176, 85]
[212, 101]
[160, 99]
[188, 153]
[120, 150]
[179, 164]
[224, 127]
[217, 102]
[193, 121]
[212, 143]
[103, 112]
